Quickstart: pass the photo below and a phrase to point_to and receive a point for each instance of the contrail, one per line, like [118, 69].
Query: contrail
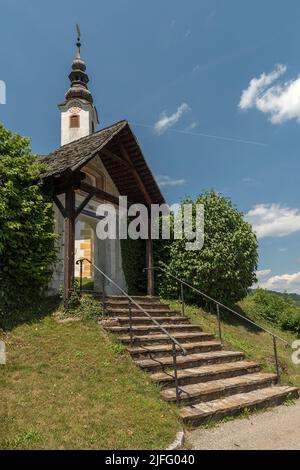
[210, 136]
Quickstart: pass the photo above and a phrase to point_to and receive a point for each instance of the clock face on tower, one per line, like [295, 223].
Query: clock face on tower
[74, 110]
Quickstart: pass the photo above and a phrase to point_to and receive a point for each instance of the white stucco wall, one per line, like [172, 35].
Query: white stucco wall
[87, 116]
[107, 253]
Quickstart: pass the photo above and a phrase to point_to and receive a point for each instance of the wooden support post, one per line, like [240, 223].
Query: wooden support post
[69, 244]
[149, 264]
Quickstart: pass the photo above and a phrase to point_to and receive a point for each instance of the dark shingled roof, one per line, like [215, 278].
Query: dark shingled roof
[75, 155]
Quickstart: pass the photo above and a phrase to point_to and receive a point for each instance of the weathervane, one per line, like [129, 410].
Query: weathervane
[78, 44]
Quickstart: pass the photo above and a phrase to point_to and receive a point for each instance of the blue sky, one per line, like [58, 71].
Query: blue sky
[170, 66]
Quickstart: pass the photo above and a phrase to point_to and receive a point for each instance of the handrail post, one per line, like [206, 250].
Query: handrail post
[219, 323]
[182, 298]
[174, 355]
[80, 262]
[130, 322]
[103, 295]
[276, 358]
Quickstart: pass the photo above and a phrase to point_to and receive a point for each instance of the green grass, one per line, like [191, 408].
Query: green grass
[71, 386]
[240, 336]
[87, 283]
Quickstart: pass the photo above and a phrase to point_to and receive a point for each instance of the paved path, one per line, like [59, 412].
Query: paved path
[278, 428]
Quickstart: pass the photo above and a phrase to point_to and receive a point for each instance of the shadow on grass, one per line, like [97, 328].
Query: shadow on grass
[29, 314]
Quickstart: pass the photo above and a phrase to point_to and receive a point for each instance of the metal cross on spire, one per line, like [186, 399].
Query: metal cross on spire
[78, 44]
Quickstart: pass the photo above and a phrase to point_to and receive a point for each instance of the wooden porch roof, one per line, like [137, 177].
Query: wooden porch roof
[120, 153]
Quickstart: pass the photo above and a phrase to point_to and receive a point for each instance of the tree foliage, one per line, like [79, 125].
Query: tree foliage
[27, 240]
[225, 267]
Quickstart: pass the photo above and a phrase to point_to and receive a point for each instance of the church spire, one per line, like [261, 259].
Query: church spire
[78, 76]
[79, 116]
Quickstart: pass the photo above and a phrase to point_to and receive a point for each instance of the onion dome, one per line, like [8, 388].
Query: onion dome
[79, 79]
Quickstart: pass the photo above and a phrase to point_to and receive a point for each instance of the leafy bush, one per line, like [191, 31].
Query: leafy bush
[276, 309]
[134, 262]
[225, 267]
[27, 240]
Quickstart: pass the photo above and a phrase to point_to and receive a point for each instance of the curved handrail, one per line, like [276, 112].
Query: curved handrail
[174, 340]
[220, 304]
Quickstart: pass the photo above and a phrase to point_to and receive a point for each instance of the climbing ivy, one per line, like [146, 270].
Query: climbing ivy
[27, 240]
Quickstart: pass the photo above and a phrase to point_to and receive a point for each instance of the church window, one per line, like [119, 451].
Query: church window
[74, 121]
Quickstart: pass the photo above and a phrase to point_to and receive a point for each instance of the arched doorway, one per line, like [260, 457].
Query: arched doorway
[84, 248]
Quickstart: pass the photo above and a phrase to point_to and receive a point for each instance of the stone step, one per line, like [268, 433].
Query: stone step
[112, 306]
[164, 339]
[235, 404]
[143, 330]
[203, 392]
[146, 320]
[122, 299]
[161, 350]
[191, 360]
[206, 373]
[139, 313]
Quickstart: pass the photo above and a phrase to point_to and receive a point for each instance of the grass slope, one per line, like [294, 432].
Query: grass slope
[240, 336]
[70, 386]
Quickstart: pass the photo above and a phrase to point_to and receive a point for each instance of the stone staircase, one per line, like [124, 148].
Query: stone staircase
[214, 382]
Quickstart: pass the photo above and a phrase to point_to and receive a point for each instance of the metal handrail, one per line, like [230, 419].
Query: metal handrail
[220, 304]
[133, 302]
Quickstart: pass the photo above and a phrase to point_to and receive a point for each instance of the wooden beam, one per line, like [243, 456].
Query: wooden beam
[83, 204]
[66, 181]
[98, 193]
[69, 236]
[59, 206]
[137, 177]
[116, 157]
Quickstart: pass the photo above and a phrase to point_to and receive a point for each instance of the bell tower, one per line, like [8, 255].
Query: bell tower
[79, 116]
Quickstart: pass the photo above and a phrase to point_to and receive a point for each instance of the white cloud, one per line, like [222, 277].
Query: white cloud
[165, 121]
[283, 282]
[165, 180]
[258, 85]
[281, 101]
[273, 220]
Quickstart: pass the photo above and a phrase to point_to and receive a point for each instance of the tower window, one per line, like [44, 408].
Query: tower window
[74, 121]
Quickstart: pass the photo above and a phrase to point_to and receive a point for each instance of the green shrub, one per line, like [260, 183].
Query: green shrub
[276, 309]
[27, 239]
[134, 262]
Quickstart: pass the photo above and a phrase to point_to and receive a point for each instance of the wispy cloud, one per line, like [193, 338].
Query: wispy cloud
[248, 180]
[191, 126]
[165, 121]
[273, 220]
[188, 33]
[280, 101]
[165, 180]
